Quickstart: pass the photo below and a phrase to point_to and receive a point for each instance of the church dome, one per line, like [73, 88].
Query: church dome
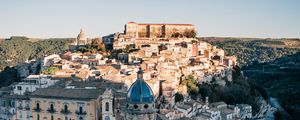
[81, 35]
[140, 92]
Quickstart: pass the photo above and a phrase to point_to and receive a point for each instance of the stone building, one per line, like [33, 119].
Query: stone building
[140, 30]
[143, 34]
[90, 100]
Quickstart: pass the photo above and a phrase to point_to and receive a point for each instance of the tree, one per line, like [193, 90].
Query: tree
[193, 34]
[176, 35]
[97, 44]
[190, 33]
[191, 84]
[205, 91]
[178, 97]
[50, 70]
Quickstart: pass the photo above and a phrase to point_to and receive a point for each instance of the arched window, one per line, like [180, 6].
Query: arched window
[37, 106]
[107, 106]
[66, 108]
[80, 110]
[107, 118]
[146, 106]
[135, 106]
[51, 107]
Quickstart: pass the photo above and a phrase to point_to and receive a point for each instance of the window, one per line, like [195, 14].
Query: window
[20, 114]
[27, 114]
[38, 116]
[107, 118]
[51, 107]
[146, 106]
[66, 108]
[135, 106]
[37, 106]
[19, 88]
[80, 118]
[80, 110]
[106, 106]
[52, 117]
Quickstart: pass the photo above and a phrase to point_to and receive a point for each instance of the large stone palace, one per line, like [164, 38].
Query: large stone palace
[148, 33]
[141, 30]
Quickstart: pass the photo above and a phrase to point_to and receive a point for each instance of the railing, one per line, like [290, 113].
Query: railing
[20, 107]
[63, 111]
[80, 112]
[27, 108]
[37, 109]
[51, 110]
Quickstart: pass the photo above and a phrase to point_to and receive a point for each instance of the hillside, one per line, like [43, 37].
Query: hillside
[280, 78]
[272, 64]
[256, 50]
[20, 49]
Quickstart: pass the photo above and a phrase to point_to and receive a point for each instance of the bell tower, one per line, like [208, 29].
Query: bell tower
[107, 105]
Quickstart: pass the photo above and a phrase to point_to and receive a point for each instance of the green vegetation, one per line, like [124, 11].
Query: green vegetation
[8, 76]
[190, 34]
[236, 92]
[280, 78]
[178, 97]
[20, 49]
[253, 51]
[50, 71]
[191, 84]
[95, 46]
[271, 66]
[187, 34]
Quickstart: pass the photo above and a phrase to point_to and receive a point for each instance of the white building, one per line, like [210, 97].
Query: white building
[50, 60]
[245, 111]
[31, 83]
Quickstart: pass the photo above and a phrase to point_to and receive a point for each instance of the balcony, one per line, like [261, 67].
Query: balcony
[20, 107]
[37, 109]
[80, 112]
[27, 108]
[51, 110]
[63, 111]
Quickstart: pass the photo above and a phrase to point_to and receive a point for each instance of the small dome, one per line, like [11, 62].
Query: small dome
[140, 92]
[81, 35]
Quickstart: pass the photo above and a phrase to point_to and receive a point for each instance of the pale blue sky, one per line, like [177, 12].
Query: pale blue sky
[64, 18]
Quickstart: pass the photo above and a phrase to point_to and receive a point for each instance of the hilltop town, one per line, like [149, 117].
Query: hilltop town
[149, 71]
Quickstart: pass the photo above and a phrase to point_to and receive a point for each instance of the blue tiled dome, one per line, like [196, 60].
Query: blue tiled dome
[140, 92]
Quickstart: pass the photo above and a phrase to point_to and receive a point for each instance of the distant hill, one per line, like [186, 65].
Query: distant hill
[273, 64]
[20, 49]
[255, 50]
